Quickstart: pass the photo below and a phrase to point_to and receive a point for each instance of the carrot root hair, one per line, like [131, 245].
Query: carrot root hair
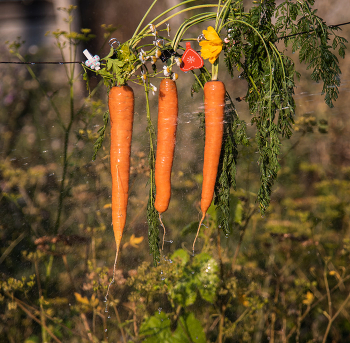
[113, 277]
[164, 231]
[199, 226]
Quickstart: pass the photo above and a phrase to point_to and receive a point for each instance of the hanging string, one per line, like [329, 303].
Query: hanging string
[40, 62]
[78, 62]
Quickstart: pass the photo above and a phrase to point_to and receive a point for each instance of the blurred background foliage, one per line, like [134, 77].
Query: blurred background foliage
[282, 277]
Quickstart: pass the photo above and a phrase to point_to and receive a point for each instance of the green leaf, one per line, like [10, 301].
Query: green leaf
[212, 211]
[111, 52]
[189, 329]
[184, 292]
[182, 254]
[195, 329]
[207, 279]
[32, 339]
[156, 329]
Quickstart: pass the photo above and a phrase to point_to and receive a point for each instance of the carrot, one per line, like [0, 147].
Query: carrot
[214, 107]
[121, 109]
[166, 137]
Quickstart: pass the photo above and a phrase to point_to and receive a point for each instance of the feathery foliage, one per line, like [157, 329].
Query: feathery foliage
[101, 135]
[270, 74]
[234, 135]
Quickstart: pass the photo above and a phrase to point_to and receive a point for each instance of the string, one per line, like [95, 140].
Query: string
[39, 62]
[302, 33]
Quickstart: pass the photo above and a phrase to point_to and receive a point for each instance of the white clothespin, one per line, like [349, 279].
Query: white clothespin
[92, 61]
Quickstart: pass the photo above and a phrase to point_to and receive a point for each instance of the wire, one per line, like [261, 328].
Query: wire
[40, 62]
[302, 33]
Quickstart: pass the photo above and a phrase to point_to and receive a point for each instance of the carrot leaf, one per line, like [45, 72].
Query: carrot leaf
[234, 135]
[101, 132]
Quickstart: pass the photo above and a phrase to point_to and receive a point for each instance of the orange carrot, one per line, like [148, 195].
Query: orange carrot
[121, 109]
[214, 106]
[166, 137]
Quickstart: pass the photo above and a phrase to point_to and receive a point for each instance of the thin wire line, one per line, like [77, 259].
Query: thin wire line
[283, 37]
[40, 62]
[301, 33]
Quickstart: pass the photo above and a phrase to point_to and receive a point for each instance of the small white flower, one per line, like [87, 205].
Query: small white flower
[226, 40]
[157, 53]
[158, 42]
[166, 71]
[154, 89]
[152, 27]
[143, 76]
[178, 61]
[174, 77]
[142, 56]
[155, 33]
[153, 59]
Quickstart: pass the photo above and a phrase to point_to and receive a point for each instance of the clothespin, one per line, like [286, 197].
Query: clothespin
[92, 61]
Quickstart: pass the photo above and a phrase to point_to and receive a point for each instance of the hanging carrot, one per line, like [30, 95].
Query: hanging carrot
[121, 109]
[214, 107]
[166, 137]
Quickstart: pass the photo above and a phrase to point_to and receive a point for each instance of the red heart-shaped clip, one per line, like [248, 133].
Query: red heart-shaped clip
[191, 59]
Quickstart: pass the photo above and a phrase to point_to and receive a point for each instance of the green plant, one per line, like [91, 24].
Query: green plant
[273, 278]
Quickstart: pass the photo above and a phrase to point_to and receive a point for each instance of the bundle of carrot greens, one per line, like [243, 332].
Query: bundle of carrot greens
[248, 43]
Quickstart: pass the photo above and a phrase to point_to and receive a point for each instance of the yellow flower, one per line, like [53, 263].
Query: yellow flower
[134, 242]
[212, 46]
[309, 297]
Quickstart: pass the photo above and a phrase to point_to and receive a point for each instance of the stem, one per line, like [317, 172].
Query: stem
[120, 326]
[135, 41]
[32, 74]
[62, 56]
[217, 16]
[215, 70]
[222, 324]
[222, 15]
[11, 247]
[197, 78]
[165, 12]
[335, 316]
[315, 304]
[65, 160]
[185, 26]
[150, 134]
[267, 52]
[42, 312]
[242, 232]
[220, 256]
[273, 314]
[144, 17]
[35, 310]
[30, 315]
[328, 291]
